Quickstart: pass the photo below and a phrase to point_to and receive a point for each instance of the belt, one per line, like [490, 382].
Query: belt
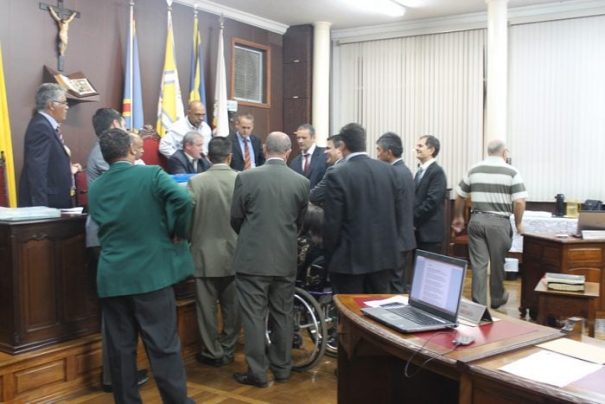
[490, 214]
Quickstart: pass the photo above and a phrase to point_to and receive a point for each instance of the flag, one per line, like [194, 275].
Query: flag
[221, 117]
[132, 103]
[6, 143]
[197, 87]
[170, 104]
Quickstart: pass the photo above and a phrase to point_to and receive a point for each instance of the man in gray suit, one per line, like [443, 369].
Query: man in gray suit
[269, 204]
[212, 244]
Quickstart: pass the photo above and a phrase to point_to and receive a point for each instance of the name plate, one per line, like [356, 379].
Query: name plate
[473, 313]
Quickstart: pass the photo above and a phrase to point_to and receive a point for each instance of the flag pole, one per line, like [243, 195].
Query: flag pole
[131, 64]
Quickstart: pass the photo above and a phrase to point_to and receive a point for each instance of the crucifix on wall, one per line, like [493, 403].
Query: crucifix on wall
[63, 18]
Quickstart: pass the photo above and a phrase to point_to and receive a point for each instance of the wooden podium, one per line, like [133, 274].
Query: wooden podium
[47, 291]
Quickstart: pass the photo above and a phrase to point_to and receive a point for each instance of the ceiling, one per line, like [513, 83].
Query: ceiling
[342, 15]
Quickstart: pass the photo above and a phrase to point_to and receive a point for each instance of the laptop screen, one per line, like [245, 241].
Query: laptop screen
[437, 283]
[591, 220]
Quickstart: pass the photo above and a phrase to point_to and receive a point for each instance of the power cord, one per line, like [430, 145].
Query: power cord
[423, 364]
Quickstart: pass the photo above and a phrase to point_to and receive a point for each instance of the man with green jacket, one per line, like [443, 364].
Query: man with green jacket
[142, 215]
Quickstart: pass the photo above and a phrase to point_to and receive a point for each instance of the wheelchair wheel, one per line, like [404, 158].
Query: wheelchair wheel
[330, 316]
[309, 342]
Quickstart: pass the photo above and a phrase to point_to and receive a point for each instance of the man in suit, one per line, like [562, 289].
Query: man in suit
[102, 120]
[193, 121]
[269, 205]
[142, 214]
[333, 153]
[389, 149]
[311, 161]
[431, 186]
[47, 175]
[363, 219]
[247, 148]
[190, 159]
[212, 245]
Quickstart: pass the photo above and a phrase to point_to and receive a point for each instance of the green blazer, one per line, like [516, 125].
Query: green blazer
[139, 209]
[268, 209]
[212, 238]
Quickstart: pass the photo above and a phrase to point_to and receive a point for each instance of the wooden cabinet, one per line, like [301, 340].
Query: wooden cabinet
[47, 291]
[544, 253]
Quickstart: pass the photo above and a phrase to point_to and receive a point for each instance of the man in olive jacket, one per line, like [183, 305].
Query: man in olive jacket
[268, 208]
[142, 216]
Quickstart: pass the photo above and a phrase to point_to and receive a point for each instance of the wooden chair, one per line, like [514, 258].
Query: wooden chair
[81, 182]
[151, 153]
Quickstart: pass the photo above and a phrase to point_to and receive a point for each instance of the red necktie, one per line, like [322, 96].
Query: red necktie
[306, 164]
[247, 162]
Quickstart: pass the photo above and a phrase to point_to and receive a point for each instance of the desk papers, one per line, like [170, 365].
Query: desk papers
[569, 347]
[391, 301]
[551, 368]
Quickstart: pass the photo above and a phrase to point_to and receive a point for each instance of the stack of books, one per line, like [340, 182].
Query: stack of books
[565, 282]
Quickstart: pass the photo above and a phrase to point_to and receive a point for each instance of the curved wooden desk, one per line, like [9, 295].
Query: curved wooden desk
[372, 357]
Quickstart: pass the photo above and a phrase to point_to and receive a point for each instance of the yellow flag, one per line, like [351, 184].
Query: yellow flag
[6, 143]
[170, 104]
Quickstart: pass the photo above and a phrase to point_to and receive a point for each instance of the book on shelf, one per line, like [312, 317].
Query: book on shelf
[76, 84]
[565, 282]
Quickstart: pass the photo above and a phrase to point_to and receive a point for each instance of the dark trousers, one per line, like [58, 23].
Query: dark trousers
[375, 282]
[153, 316]
[399, 278]
[430, 247]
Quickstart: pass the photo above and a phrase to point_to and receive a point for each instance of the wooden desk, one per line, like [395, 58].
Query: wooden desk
[47, 292]
[561, 305]
[486, 384]
[371, 357]
[547, 253]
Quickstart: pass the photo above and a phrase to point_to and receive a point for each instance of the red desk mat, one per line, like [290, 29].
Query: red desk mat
[484, 334]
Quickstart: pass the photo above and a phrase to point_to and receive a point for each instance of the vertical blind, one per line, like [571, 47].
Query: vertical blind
[429, 84]
[557, 107]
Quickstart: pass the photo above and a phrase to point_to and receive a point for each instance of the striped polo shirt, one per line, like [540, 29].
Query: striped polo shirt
[492, 185]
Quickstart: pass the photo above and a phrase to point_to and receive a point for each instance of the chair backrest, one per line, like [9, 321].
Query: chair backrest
[151, 153]
[81, 182]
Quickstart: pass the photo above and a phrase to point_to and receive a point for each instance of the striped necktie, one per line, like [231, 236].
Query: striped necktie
[247, 161]
[419, 174]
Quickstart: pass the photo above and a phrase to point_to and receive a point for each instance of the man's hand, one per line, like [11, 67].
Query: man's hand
[458, 224]
[520, 229]
[75, 167]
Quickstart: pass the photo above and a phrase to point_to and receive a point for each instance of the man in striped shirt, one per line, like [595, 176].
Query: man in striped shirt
[496, 190]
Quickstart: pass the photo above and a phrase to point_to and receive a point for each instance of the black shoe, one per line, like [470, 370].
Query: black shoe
[142, 378]
[217, 363]
[248, 379]
[281, 379]
[502, 302]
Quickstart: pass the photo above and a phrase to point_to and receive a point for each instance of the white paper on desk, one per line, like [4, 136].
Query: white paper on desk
[576, 349]
[73, 211]
[551, 368]
[397, 299]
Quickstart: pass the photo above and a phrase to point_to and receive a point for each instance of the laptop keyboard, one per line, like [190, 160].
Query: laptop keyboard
[417, 317]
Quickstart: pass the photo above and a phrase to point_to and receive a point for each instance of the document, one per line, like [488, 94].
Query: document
[576, 349]
[547, 367]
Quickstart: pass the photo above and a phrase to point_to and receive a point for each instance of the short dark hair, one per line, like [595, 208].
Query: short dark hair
[103, 118]
[115, 144]
[391, 141]
[309, 127]
[354, 137]
[218, 149]
[336, 140]
[432, 141]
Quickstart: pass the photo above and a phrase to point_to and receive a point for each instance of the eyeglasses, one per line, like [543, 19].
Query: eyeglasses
[64, 102]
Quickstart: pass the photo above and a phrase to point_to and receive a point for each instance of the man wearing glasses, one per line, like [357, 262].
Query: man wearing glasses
[47, 175]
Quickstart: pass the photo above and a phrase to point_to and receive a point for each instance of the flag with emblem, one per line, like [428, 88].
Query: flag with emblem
[132, 102]
[197, 87]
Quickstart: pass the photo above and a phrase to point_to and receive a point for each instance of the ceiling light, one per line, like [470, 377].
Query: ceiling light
[392, 8]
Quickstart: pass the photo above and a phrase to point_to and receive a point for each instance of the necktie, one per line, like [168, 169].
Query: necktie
[306, 164]
[194, 163]
[247, 162]
[418, 175]
[60, 137]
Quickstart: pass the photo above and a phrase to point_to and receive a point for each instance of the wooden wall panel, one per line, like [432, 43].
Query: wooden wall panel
[97, 47]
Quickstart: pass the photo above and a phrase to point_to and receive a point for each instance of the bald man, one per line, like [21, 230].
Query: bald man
[193, 121]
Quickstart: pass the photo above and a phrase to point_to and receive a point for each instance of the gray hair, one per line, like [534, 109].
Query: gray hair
[495, 147]
[278, 143]
[48, 92]
[190, 137]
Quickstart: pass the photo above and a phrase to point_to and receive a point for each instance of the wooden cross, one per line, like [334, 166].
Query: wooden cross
[62, 17]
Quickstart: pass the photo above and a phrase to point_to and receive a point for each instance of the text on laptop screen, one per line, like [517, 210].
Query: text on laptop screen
[437, 283]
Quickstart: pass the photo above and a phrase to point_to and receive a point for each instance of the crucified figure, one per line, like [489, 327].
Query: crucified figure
[63, 24]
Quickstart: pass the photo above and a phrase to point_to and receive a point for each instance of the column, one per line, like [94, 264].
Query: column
[321, 81]
[497, 71]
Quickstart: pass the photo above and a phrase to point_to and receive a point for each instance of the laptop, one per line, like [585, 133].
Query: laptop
[590, 220]
[434, 297]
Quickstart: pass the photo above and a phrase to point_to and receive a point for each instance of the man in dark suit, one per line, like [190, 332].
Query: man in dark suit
[363, 219]
[247, 148]
[190, 159]
[311, 161]
[431, 185]
[333, 153]
[269, 204]
[47, 175]
[142, 214]
[389, 149]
